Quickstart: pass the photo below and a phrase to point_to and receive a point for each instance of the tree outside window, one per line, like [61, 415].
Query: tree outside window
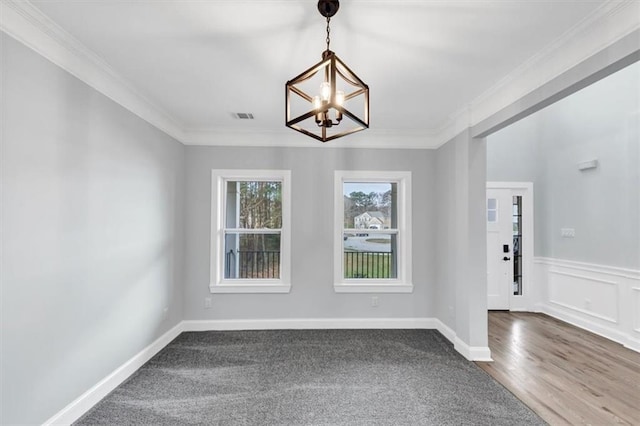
[253, 226]
[251, 238]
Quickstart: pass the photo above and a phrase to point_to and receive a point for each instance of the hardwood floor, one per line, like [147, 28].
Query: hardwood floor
[565, 374]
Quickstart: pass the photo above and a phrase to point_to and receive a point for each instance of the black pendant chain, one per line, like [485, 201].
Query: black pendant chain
[328, 32]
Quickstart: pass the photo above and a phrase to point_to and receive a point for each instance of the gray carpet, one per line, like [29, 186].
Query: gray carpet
[310, 377]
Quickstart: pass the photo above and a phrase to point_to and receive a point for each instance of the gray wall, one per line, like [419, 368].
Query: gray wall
[91, 236]
[446, 254]
[312, 294]
[600, 122]
[461, 291]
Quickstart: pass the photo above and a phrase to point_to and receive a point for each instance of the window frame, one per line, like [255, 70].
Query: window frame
[218, 283]
[403, 282]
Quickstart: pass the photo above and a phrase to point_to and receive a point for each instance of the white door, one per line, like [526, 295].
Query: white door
[499, 248]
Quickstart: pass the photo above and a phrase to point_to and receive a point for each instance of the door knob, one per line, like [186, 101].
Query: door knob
[506, 258]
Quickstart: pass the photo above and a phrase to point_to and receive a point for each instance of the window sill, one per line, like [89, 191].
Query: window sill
[372, 288]
[250, 288]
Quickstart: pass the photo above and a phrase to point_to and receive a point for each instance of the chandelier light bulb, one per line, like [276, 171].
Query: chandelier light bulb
[317, 104]
[325, 91]
[340, 102]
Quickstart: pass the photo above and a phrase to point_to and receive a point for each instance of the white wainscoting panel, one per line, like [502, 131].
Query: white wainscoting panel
[635, 305]
[599, 298]
[585, 294]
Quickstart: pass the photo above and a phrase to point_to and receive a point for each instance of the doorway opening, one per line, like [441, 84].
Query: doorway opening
[509, 245]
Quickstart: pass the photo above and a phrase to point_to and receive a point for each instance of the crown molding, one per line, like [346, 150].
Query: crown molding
[372, 138]
[592, 22]
[24, 22]
[612, 21]
[609, 23]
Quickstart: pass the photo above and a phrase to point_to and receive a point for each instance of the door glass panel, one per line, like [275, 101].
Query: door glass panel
[517, 245]
[492, 210]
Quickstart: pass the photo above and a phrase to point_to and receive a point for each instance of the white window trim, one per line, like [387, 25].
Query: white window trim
[401, 284]
[218, 284]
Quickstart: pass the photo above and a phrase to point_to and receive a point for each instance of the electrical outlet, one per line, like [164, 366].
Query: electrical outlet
[375, 301]
[207, 302]
[567, 232]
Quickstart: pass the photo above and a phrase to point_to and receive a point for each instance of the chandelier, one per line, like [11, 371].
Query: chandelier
[333, 108]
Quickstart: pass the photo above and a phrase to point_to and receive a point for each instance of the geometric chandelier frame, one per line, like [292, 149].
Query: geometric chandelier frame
[332, 113]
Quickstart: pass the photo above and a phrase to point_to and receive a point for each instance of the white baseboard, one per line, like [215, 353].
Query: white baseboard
[446, 331]
[632, 343]
[595, 328]
[311, 324]
[471, 353]
[87, 400]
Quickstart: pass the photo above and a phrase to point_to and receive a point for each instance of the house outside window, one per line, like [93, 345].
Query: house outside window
[372, 229]
[250, 231]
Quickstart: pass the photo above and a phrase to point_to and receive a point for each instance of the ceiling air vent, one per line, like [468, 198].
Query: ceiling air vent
[244, 115]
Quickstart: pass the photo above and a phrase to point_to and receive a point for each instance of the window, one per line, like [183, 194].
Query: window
[372, 250]
[250, 231]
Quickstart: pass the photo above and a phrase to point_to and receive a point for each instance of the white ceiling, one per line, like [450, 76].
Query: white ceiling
[425, 61]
